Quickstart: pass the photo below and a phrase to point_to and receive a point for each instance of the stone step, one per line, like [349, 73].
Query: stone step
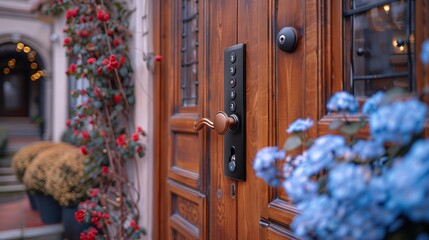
[5, 162]
[6, 171]
[47, 232]
[12, 188]
[8, 180]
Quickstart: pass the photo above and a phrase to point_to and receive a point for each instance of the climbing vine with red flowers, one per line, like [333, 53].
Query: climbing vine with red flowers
[96, 36]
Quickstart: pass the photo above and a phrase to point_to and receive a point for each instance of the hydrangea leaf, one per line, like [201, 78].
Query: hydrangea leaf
[334, 125]
[293, 142]
[351, 128]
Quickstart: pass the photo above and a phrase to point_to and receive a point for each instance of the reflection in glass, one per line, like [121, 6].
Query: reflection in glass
[381, 45]
[189, 61]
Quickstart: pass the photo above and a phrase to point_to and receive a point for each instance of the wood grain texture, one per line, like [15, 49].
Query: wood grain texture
[223, 33]
[255, 29]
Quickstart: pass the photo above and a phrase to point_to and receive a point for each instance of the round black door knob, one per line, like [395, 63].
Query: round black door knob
[287, 39]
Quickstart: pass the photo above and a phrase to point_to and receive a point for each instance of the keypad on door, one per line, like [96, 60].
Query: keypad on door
[234, 104]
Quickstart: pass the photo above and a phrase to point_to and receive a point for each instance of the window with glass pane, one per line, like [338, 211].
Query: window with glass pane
[379, 45]
[189, 61]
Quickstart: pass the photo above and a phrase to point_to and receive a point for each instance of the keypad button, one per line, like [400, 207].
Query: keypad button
[232, 106]
[232, 70]
[233, 94]
[232, 82]
[232, 57]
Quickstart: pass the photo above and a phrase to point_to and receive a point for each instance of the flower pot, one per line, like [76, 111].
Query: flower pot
[32, 200]
[72, 228]
[49, 208]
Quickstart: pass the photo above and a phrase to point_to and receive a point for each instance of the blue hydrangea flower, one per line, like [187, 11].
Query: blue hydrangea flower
[398, 122]
[367, 150]
[323, 152]
[264, 164]
[424, 55]
[346, 181]
[343, 102]
[373, 103]
[408, 183]
[300, 125]
[298, 186]
[319, 217]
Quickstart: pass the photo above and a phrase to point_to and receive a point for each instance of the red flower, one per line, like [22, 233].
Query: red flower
[68, 122]
[85, 135]
[105, 61]
[91, 61]
[72, 69]
[110, 32]
[135, 137]
[82, 19]
[67, 41]
[117, 98]
[71, 13]
[134, 225]
[92, 234]
[158, 58]
[139, 149]
[94, 192]
[121, 141]
[139, 129]
[117, 42]
[84, 150]
[79, 215]
[112, 57]
[113, 65]
[97, 92]
[83, 92]
[100, 71]
[123, 60]
[84, 33]
[105, 170]
[102, 16]
[83, 236]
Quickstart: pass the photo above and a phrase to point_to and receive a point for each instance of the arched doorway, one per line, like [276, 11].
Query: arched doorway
[21, 79]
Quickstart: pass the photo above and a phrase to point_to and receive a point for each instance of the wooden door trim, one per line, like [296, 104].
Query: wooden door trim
[158, 43]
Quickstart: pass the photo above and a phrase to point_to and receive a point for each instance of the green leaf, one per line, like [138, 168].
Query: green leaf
[393, 94]
[334, 125]
[131, 100]
[292, 143]
[123, 72]
[351, 129]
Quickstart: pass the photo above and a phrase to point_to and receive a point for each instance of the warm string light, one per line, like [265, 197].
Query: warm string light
[386, 8]
[31, 56]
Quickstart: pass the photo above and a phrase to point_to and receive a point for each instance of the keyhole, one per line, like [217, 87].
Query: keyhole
[282, 39]
[233, 190]
[231, 164]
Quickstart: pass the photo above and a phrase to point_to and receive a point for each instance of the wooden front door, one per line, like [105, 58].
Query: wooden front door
[193, 197]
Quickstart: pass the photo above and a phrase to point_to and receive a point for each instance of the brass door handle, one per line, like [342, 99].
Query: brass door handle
[222, 123]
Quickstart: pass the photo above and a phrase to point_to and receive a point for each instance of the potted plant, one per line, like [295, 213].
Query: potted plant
[23, 158]
[65, 185]
[35, 178]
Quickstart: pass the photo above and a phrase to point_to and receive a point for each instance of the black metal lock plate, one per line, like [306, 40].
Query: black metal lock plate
[234, 104]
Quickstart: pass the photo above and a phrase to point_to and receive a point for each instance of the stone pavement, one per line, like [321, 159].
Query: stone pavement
[17, 219]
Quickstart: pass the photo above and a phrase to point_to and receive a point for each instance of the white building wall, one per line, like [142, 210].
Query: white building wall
[143, 112]
[60, 89]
